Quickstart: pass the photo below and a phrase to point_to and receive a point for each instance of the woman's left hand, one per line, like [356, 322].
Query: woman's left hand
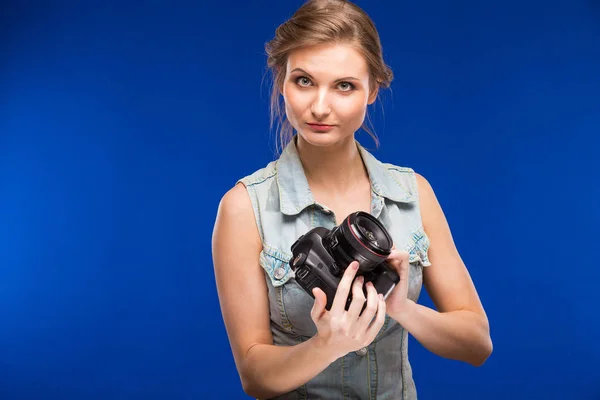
[398, 303]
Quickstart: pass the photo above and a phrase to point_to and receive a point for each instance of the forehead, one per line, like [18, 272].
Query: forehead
[331, 60]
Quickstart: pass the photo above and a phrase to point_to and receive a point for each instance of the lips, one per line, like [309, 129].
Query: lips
[320, 127]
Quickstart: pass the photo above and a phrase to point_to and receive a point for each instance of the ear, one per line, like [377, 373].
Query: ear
[373, 95]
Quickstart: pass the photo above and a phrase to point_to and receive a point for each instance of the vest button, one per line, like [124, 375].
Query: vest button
[362, 352]
[279, 273]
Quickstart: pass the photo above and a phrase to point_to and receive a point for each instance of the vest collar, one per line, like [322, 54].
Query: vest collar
[295, 194]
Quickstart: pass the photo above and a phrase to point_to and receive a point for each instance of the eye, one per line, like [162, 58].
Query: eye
[303, 81]
[346, 86]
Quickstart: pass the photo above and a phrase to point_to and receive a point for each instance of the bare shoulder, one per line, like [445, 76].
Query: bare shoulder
[422, 183]
[428, 202]
[235, 214]
[236, 202]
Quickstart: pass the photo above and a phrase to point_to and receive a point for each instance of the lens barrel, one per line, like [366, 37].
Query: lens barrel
[360, 237]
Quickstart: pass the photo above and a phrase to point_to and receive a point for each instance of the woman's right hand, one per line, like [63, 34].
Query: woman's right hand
[345, 331]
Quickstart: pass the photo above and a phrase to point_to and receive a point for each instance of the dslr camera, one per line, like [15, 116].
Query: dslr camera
[320, 256]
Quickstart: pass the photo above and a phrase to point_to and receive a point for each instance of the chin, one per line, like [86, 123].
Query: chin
[325, 139]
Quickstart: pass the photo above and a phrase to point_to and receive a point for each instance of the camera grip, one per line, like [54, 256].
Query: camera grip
[385, 278]
[310, 277]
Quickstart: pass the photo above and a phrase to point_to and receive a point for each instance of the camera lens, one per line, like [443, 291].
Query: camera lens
[360, 237]
[370, 233]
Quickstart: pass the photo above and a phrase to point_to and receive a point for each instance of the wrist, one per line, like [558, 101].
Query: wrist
[323, 349]
[403, 315]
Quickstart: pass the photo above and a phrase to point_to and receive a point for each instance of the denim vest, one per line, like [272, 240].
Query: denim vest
[285, 209]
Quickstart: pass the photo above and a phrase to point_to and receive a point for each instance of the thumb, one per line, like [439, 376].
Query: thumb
[319, 305]
[399, 260]
[403, 265]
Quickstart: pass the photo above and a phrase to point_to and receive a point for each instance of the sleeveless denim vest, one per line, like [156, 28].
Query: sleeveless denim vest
[285, 209]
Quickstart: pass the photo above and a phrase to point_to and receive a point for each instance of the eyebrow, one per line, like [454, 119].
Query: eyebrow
[348, 78]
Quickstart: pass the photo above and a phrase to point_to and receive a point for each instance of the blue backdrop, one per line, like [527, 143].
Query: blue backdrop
[122, 124]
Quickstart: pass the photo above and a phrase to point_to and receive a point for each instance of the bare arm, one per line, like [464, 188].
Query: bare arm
[459, 329]
[265, 370]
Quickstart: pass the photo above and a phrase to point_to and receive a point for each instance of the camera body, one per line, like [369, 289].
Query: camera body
[320, 256]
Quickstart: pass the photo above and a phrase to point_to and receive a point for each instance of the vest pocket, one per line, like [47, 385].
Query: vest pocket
[417, 248]
[288, 300]
[275, 264]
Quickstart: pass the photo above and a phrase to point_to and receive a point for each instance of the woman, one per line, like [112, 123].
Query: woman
[328, 67]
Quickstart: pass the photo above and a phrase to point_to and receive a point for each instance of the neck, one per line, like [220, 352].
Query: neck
[337, 168]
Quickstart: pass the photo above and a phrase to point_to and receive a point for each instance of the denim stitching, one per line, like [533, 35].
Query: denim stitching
[312, 217]
[255, 206]
[252, 181]
[375, 376]
[410, 193]
[402, 364]
[345, 393]
[284, 318]
[276, 253]
[369, 388]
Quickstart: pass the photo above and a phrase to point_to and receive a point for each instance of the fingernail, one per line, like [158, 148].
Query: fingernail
[355, 266]
[380, 296]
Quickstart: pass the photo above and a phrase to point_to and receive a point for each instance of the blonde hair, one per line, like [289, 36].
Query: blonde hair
[319, 22]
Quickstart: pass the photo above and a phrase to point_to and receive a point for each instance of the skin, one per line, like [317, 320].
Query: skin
[458, 328]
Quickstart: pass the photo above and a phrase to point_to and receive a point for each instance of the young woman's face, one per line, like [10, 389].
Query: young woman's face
[326, 92]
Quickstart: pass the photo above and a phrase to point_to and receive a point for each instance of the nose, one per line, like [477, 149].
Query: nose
[320, 107]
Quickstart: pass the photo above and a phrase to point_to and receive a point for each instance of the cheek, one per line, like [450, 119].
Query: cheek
[295, 103]
[351, 109]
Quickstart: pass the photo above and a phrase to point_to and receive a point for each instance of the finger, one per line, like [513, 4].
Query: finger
[318, 307]
[371, 309]
[398, 256]
[376, 325]
[358, 299]
[399, 261]
[341, 294]
[403, 264]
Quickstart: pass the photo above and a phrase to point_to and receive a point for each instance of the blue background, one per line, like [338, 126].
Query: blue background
[122, 124]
